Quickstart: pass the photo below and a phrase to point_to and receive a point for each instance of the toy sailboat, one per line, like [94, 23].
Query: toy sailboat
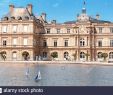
[27, 72]
[38, 77]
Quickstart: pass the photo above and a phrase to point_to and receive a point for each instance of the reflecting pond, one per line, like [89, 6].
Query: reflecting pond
[56, 75]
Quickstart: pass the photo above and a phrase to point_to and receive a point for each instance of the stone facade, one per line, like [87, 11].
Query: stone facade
[18, 33]
[85, 39]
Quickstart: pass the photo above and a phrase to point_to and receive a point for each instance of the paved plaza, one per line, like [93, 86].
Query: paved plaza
[14, 74]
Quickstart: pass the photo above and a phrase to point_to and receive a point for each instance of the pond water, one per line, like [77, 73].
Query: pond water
[56, 75]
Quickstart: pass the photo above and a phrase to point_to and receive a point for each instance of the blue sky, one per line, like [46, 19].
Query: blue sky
[63, 10]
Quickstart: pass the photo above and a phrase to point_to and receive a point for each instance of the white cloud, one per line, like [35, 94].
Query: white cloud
[55, 5]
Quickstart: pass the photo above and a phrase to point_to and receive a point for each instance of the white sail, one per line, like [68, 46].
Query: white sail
[39, 75]
[27, 72]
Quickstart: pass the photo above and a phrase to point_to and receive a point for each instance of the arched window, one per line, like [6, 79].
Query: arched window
[99, 54]
[26, 18]
[3, 55]
[66, 54]
[54, 54]
[111, 55]
[82, 42]
[25, 55]
[82, 55]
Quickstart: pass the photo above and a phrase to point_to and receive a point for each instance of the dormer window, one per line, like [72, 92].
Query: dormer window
[13, 18]
[19, 18]
[5, 18]
[26, 18]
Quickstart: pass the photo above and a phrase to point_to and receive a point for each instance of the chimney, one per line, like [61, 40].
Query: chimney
[30, 7]
[44, 16]
[97, 16]
[11, 8]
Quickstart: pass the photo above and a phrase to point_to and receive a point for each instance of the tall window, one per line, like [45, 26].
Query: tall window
[14, 41]
[100, 29]
[4, 29]
[82, 55]
[75, 41]
[111, 43]
[66, 43]
[25, 28]
[55, 43]
[100, 43]
[68, 30]
[44, 43]
[25, 41]
[58, 31]
[4, 42]
[48, 30]
[14, 28]
[44, 54]
[82, 42]
[111, 30]
[111, 55]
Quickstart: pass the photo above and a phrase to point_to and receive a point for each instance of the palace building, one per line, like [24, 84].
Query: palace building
[18, 33]
[85, 39]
